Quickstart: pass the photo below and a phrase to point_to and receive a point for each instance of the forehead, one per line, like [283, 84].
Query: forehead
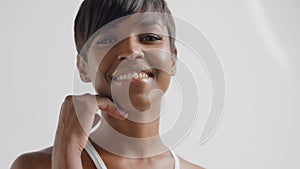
[135, 22]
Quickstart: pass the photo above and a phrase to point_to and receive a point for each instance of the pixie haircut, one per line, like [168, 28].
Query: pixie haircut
[94, 14]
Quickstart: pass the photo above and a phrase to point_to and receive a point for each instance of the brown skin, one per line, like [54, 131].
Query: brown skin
[42, 160]
[71, 135]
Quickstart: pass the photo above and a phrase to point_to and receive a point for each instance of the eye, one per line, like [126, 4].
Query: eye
[150, 37]
[106, 41]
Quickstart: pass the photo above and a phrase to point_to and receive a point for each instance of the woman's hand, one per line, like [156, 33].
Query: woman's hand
[76, 119]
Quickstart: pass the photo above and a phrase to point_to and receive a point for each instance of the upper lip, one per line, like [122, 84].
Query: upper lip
[131, 68]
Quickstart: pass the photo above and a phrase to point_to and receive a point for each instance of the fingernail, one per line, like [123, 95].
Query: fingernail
[103, 106]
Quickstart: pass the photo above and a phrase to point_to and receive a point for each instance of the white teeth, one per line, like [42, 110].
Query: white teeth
[132, 75]
[140, 75]
[135, 75]
[145, 75]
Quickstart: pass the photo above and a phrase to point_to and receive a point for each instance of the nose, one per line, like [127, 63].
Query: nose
[130, 49]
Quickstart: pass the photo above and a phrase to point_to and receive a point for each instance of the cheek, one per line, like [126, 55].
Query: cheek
[98, 67]
[99, 81]
[160, 60]
[99, 60]
[163, 80]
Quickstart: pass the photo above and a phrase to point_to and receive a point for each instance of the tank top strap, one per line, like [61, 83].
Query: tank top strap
[176, 159]
[99, 163]
[90, 149]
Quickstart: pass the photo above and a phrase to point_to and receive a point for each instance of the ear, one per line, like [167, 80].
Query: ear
[82, 68]
[173, 61]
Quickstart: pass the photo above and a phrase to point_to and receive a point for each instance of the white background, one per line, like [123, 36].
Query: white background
[258, 45]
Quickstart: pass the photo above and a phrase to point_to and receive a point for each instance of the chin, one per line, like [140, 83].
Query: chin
[136, 103]
[141, 102]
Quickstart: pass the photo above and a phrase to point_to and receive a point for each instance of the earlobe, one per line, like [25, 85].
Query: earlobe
[82, 68]
[173, 62]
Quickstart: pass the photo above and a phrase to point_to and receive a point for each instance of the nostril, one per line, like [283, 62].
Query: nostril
[137, 54]
[121, 57]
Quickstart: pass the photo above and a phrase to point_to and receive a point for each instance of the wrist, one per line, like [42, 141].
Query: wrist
[66, 156]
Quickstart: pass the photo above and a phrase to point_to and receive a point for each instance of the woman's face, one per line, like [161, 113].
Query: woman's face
[131, 61]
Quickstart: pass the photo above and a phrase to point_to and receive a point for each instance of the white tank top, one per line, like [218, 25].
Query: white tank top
[100, 164]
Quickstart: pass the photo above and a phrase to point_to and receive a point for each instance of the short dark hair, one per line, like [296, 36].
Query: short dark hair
[94, 14]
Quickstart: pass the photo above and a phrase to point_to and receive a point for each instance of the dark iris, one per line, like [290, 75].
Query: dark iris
[105, 41]
[150, 37]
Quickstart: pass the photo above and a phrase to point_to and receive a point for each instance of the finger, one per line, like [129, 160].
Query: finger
[112, 111]
[109, 107]
[121, 111]
[85, 109]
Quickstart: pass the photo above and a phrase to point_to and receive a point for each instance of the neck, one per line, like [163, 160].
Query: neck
[133, 129]
[129, 138]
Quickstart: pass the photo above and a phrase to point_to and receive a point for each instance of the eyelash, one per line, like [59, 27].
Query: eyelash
[147, 38]
[154, 37]
[107, 40]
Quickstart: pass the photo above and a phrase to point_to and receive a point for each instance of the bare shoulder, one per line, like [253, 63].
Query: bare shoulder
[184, 164]
[34, 160]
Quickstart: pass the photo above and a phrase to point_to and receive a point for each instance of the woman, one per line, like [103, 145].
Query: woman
[129, 59]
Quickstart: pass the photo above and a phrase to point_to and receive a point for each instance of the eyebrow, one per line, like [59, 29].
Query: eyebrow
[109, 26]
[150, 23]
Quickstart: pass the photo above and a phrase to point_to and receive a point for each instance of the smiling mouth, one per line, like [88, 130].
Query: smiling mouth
[144, 74]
